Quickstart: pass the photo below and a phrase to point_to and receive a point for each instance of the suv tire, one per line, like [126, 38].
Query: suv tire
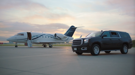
[107, 51]
[95, 49]
[79, 53]
[124, 49]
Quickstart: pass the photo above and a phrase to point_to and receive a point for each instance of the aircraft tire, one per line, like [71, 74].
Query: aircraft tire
[16, 46]
[50, 46]
[45, 46]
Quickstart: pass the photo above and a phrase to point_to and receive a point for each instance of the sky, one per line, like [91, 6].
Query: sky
[56, 16]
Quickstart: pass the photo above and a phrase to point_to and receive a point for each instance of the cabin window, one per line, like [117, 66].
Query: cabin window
[20, 34]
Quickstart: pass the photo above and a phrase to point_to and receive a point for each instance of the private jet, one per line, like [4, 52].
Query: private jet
[30, 38]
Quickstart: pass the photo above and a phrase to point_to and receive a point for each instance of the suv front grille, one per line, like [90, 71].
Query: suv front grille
[76, 42]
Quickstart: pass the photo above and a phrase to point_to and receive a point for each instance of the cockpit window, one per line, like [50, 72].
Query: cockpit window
[20, 34]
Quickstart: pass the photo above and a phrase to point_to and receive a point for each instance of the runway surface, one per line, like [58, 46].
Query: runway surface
[62, 61]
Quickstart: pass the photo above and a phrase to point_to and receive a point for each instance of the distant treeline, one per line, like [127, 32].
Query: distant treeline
[133, 43]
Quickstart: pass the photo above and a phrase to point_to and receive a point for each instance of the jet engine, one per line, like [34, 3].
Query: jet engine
[59, 36]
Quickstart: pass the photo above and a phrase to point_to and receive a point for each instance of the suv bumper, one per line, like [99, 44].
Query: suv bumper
[82, 48]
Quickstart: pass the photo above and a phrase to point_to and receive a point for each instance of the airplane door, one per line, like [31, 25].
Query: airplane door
[29, 35]
[29, 42]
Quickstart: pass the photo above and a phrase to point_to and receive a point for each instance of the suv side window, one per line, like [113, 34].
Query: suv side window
[124, 35]
[114, 34]
[106, 33]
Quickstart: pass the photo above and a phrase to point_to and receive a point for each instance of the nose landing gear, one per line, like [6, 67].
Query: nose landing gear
[16, 45]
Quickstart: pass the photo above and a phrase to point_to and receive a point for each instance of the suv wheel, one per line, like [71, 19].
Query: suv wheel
[79, 53]
[107, 51]
[95, 49]
[124, 49]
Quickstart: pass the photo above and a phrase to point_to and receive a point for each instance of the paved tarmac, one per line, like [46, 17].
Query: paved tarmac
[62, 61]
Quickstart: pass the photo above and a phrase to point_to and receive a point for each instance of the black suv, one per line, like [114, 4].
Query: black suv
[103, 41]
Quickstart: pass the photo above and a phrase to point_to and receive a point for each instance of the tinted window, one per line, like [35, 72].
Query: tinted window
[20, 34]
[106, 33]
[114, 34]
[124, 35]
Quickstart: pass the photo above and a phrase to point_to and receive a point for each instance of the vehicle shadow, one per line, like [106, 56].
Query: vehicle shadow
[101, 54]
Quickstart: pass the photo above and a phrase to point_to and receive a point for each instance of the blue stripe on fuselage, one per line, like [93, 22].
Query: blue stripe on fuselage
[38, 36]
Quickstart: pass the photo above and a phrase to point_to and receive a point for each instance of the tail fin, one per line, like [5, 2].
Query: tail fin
[70, 31]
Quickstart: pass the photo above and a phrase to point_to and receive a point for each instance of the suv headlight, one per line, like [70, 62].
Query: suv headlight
[86, 40]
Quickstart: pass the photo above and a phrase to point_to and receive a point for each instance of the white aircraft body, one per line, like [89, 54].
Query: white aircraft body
[42, 38]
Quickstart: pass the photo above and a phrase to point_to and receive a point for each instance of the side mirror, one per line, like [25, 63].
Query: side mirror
[104, 36]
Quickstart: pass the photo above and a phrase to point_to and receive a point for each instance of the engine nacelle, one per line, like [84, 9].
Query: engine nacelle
[60, 36]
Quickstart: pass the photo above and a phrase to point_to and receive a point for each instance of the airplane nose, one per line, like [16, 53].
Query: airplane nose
[10, 38]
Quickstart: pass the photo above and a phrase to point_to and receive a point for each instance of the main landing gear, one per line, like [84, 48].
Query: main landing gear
[44, 45]
[50, 45]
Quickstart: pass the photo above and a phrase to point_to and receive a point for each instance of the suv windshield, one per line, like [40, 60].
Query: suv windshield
[94, 34]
